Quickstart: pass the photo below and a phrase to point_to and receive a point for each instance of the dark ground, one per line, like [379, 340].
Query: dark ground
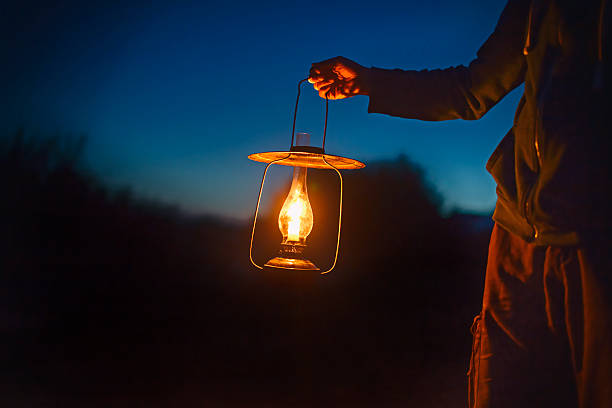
[108, 300]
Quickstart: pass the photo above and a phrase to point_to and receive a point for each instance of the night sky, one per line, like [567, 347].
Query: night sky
[174, 95]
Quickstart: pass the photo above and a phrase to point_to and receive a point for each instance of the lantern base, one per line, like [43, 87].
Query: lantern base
[290, 257]
[291, 263]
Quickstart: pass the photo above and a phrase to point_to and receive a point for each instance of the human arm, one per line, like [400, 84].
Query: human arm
[452, 93]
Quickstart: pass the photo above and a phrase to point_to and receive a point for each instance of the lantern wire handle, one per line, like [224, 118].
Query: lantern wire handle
[263, 179]
[325, 125]
[295, 114]
[339, 218]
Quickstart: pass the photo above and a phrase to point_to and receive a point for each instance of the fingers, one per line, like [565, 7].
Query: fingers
[324, 70]
[314, 75]
[323, 83]
[319, 80]
[334, 78]
[323, 75]
[332, 95]
[324, 90]
[333, 92]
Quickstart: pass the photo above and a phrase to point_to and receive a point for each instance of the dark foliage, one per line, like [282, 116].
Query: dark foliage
[109, 300]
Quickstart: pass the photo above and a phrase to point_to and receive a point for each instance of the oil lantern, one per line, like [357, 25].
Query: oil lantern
[296, 217]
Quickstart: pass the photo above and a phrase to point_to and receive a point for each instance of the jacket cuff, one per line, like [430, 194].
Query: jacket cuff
[385, 87]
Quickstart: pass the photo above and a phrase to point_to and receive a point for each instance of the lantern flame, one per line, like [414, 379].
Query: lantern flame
[295, 219]
[295, 210]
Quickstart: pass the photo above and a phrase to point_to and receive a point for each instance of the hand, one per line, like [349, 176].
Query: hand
[339, 78]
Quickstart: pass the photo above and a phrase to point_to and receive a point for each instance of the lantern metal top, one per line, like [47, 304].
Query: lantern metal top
[307, 156]
[307, 159]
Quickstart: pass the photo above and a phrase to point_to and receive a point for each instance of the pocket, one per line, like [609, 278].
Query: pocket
[474, 362]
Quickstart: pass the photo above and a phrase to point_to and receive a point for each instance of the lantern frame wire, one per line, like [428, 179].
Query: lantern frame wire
[304, 156]
[263, 180]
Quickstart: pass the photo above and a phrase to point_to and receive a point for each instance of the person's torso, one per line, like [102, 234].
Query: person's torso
[558, 178]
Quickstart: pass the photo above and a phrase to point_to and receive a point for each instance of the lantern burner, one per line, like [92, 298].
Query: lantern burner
[290, 257]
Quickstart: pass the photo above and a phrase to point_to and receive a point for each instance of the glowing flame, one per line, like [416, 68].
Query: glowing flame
[295, 219]
[295, 211]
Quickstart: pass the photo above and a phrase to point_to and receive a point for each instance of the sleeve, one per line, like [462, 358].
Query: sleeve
[458, 92]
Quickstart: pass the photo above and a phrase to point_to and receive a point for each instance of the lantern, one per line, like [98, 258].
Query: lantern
[296, 218]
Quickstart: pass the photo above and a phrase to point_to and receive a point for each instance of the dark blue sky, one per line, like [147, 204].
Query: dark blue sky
[174, 95]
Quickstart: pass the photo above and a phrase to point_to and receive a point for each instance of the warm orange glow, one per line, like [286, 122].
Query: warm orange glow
[295, 219]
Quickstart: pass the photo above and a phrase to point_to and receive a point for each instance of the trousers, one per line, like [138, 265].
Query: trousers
[544, 335]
